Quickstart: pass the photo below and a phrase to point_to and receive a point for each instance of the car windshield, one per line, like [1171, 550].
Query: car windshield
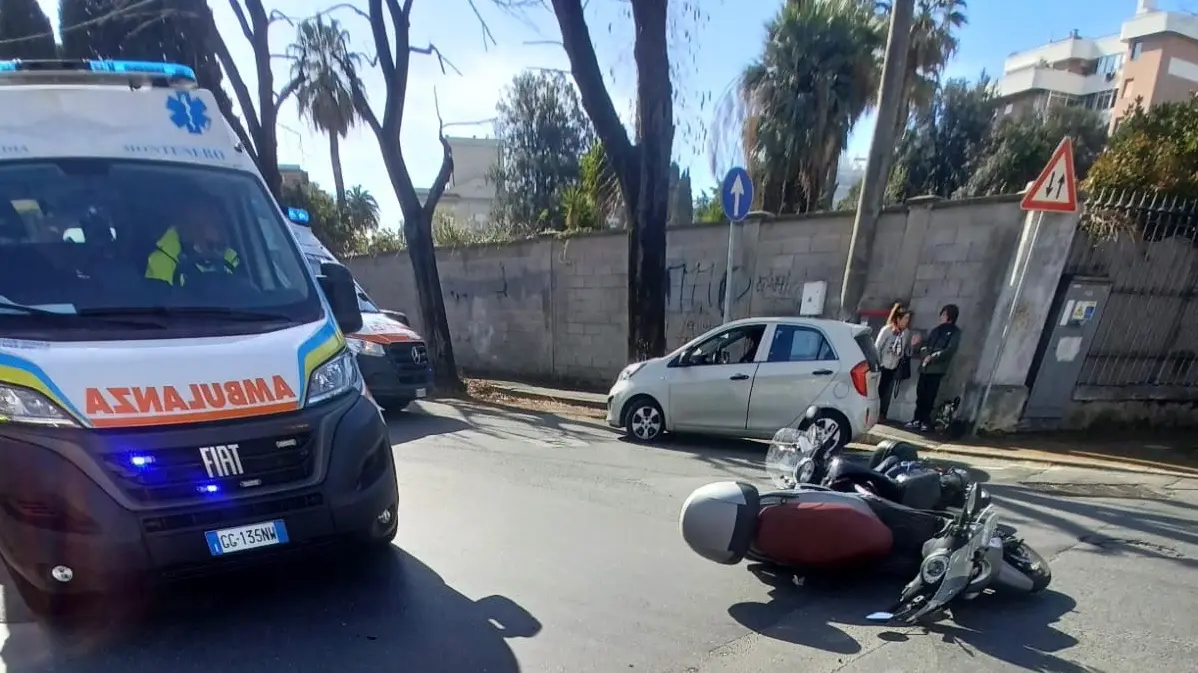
[365, 305]
[155, 249]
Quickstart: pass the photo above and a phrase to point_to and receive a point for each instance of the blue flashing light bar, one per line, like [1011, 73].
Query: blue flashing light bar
[167, 70]
[299, 216]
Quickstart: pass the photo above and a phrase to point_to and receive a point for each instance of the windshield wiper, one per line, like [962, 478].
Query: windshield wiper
[186, 311]
[8, 306]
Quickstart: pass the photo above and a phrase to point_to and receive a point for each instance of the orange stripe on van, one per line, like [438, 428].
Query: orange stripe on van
[198, 417]
[385, 339]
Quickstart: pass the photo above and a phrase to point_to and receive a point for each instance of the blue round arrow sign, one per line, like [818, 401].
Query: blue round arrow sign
[736, 194]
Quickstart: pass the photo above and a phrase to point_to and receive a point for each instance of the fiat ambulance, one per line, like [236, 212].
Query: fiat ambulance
[176, 394]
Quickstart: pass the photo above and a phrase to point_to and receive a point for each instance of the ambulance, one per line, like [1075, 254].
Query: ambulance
[160, 425]
[392, 357]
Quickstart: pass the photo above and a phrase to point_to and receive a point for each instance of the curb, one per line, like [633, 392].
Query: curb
[558, 399]
[1047, 460]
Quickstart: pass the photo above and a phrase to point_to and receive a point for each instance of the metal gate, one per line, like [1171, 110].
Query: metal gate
[1145, 342]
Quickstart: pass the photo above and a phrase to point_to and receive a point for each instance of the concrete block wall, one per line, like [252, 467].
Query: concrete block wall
[555, 309]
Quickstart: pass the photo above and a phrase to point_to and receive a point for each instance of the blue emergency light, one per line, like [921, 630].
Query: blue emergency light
[298, 216]
[167, 70]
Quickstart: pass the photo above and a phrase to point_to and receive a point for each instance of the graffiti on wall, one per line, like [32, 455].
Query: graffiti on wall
[698, 287]
[504, 286]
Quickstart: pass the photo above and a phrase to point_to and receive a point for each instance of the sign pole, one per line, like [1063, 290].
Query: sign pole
[1055, 190]
[728, 271]
[736, 197]
[1021, 278]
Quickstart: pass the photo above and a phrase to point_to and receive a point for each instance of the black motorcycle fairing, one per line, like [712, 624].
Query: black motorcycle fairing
[911, 528]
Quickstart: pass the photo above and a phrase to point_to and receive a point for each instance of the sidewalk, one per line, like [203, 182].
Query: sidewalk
[1171, 455]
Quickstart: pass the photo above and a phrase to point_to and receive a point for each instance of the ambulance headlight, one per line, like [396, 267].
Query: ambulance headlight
[337, 376]
[22, 405]
[364, 347]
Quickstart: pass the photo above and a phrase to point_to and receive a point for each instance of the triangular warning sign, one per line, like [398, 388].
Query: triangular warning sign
[1056, 188]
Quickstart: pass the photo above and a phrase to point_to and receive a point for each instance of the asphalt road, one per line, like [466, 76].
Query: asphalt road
[533, 543]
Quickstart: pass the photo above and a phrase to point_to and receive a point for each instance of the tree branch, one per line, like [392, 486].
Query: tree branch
[441, 60]
[576, 39]
[437, 190]
[245, 25]
[240, 89]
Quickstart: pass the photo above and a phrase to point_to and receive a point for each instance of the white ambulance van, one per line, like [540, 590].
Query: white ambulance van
[176, 394]
[392, 357]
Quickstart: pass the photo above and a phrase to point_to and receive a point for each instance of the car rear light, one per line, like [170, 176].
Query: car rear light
[860, 375]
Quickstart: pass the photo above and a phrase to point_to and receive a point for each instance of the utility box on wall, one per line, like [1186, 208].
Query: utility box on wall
[815, 292]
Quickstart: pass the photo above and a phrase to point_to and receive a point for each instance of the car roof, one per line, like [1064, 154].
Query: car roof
[825, 323]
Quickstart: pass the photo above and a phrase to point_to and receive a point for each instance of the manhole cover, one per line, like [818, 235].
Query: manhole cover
[1128, 491]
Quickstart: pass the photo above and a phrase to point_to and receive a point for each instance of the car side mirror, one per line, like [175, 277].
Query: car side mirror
[338, 286]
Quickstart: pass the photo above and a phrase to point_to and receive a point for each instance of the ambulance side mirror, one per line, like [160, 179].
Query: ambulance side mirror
[342, 294]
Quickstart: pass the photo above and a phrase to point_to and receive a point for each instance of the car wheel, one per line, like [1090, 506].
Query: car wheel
[834, 425]
[644, 420]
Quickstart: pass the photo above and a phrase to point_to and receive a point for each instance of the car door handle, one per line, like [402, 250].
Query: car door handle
[739, 377]
[821, 372]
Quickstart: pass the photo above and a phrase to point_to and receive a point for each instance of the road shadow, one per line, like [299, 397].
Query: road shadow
[388, 613]
[510, 422]
[749, 454]
[1175, 530]
[1013, 629]
[415, 422]
[812, 612]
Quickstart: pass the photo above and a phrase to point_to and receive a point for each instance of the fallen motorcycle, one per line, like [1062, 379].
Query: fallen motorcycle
[854, 516]
[960, 563]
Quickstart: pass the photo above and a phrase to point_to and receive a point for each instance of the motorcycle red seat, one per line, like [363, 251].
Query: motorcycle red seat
[821, 534]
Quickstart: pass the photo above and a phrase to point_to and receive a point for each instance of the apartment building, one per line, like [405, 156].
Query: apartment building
[1154, 56]
[293, 175]
[470, 194]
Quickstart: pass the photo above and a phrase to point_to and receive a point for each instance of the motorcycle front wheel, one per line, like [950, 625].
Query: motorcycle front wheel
[1029, 562]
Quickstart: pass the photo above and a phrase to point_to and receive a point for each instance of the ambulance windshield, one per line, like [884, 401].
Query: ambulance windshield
[90, 244]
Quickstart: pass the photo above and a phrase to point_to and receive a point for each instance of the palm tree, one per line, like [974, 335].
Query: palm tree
[362, 210]
[795, 106]
[319, 57]
[933, 44]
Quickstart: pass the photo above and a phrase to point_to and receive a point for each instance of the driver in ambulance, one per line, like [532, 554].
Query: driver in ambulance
[197, 244]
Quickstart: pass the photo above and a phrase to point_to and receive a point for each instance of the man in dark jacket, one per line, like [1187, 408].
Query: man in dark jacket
[935, 353]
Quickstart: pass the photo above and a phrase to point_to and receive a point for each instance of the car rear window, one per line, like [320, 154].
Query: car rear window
[868, 350]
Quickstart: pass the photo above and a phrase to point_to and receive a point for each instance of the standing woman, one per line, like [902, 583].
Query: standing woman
[894, 350]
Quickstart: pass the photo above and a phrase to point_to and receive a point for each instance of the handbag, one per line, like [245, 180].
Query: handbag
[903, 371]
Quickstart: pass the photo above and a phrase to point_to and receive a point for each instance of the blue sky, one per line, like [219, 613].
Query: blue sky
[708, 58]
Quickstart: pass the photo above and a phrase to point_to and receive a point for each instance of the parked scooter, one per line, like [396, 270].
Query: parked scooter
[810, 527]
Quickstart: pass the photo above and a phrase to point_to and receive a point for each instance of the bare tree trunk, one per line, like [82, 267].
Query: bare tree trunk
[338, 177]
[643, 169]
[877, 167]
[393, 61]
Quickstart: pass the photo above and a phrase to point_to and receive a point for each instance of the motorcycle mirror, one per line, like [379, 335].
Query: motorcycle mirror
[879, 617]
[972, 500]
[812, 412]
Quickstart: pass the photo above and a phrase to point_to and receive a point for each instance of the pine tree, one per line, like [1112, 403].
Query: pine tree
[25, 31]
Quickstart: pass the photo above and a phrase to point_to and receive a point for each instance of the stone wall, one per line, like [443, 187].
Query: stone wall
[554, 309]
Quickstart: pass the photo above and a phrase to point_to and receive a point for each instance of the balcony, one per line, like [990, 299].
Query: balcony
[1039, 78]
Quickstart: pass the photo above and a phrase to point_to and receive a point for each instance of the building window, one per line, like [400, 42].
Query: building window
[1009, 109]
[1109, 64]
[1127, 87]
[1103, 100]
[1058, 99]
[1137, 48]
